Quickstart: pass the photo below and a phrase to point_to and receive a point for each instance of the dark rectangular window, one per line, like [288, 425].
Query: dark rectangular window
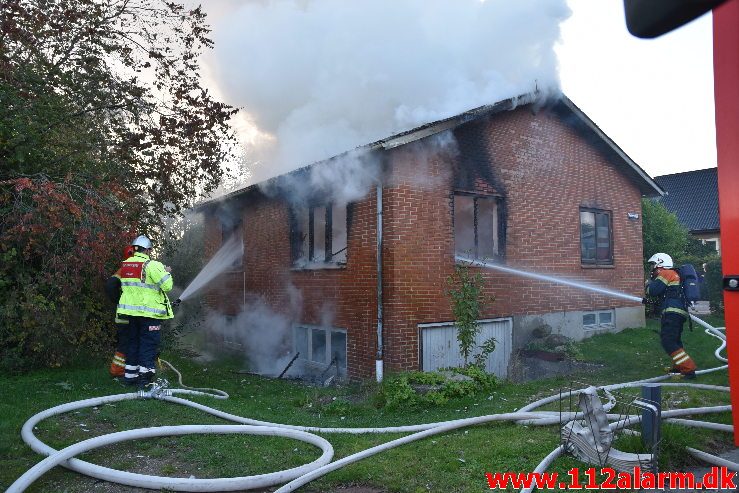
[476, 226]
[232, 227]
[596, 238]
[318, 346]
[319, 234]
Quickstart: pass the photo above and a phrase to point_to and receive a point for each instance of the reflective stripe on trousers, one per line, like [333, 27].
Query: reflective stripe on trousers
[143, 309]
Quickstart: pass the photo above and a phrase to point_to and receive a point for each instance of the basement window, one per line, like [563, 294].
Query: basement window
[319, 235]
[476, 226]
[598, 320]
[596, 237]
[229, 336]
[321, 346]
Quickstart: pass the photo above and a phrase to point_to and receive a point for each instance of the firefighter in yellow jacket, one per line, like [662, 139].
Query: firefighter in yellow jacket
[664, 285]
[144, 287]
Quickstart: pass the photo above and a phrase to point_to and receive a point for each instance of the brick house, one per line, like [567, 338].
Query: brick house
[537, 188]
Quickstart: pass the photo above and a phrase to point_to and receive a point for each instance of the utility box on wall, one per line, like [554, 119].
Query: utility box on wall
[440, 348]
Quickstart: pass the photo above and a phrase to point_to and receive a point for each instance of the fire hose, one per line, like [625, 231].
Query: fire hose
[293, 478]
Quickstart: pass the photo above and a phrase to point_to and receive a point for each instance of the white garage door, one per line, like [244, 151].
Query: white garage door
[440, 348]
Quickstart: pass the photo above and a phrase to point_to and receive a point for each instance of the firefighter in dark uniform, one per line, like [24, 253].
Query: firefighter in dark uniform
[665, 289]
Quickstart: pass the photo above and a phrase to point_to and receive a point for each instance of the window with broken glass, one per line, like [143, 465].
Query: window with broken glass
[321, 346]
[319, 235]
[231, 228]
[596, 238]
[476, 226]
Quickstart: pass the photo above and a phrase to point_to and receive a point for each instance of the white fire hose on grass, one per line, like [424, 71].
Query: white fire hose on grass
[299, 476]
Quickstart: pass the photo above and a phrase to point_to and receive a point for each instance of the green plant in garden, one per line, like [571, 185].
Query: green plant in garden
[468, 301]
[423, 389]
[714, 283]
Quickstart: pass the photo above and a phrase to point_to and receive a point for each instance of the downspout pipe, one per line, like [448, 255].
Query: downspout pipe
[379, 357]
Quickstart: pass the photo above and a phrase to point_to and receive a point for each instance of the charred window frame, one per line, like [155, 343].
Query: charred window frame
[319, 234]
[479, 225]
[231, 227]
[596, 237]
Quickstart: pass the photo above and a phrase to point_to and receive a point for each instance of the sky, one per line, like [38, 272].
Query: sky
[654, 98]
[317, 77]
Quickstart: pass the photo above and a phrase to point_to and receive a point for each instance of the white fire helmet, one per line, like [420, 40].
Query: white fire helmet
[144, 242]
[661, 260]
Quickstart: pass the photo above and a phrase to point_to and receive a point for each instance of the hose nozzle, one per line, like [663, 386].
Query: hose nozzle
[176, 302]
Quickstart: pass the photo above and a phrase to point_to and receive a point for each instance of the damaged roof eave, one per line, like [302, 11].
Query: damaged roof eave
[648, 187]
[439, 126]
[645, 183]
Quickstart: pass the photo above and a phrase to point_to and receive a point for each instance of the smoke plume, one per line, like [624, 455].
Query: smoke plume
[320, 77]
[263, 333]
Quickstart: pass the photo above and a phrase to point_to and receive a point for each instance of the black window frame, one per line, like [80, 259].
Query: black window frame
[233, 228]
[297, 235]
[500, 221]
[595, 261]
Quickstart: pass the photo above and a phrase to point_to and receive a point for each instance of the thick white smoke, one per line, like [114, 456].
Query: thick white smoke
[264, 333]
[321, 77]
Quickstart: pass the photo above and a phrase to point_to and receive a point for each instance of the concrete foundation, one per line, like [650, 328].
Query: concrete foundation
[570, 324]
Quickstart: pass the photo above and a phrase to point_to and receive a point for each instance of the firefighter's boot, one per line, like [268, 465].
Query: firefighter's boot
[683, 363]
[118, 365]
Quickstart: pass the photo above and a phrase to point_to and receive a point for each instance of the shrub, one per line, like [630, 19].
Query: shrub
[468, 301]
[59, 242]
[397, 390]
[714, 285]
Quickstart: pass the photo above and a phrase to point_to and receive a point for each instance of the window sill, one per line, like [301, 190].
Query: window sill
[597, 266]
[467, 260]
[318, 266]
[598, 327]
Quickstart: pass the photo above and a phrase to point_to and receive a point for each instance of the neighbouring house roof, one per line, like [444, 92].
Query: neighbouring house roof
[693, 197]
[563, 106]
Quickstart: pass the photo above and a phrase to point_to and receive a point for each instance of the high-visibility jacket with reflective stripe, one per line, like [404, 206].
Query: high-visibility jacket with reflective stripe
[144, 284]
[666, 285]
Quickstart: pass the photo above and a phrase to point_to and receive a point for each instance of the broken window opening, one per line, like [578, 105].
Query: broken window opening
[232, 227]
[477, 226]
[319, 234]
[320, 346]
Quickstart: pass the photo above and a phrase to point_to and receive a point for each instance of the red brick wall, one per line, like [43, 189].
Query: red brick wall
[545, 170]
[344, 296]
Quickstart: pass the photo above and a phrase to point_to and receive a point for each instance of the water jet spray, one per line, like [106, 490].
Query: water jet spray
[545, 278]
[224, 258]
[575, 284]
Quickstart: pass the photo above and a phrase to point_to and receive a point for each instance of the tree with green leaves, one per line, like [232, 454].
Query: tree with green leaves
[661, 231]
[111, 91]
[106, 128]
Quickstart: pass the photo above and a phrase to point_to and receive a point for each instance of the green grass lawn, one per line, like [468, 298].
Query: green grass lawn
[455, 462]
